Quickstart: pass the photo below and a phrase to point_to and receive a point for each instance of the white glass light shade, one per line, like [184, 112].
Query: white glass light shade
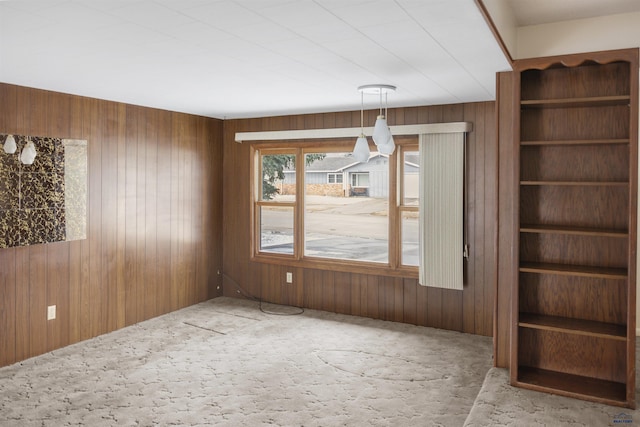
[361, 150]
[10, 145]
[28, 154]
[389, 147]
[381, 132]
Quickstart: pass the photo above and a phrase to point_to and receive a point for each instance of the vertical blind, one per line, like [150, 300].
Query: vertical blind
[441, 210]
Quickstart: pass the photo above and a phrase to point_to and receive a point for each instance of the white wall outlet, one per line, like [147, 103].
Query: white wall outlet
[51, 312]
[289, 277]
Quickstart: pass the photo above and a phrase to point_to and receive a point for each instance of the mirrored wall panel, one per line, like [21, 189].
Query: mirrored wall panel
[43, 190]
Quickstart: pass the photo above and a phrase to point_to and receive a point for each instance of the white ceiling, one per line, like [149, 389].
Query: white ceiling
[251, 58]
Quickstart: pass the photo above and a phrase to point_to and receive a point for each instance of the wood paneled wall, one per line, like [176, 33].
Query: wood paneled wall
[390, 298]
[154, 222]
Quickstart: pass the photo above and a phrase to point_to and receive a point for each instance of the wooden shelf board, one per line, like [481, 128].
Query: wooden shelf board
[579, 231]
[573, 270]
[573, 326]
[577, 142]
[576, 183]
[595, 101]
[576, 386]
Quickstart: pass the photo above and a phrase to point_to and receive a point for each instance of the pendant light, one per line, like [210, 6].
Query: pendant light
[10, 145]
[381, 133]
[361, 150]
[28, 154]
[389, 145]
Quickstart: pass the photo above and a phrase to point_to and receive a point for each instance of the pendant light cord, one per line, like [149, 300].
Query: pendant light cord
[361, 113]
[385, 106]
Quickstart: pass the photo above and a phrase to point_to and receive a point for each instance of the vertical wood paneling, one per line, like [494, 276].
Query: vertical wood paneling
[8, 316]
[121, 215]
[98, 291]
[342, 291]
[75, 247]
[109, 177]
[189, 214]
[393, 298]
[151, 214]
[86, 281]
[409, 306]
[94, 287]
[37, 253]
[356, 292]
[58, 109]
[327, 288]
[452, 313]
[8, 291]
[37, 299]
[122, 273]
[421, 305]
[131, 240]
[165, 278]
[370, 297]
[139, 225]
[23, 307]
[58, 295]
[200, 234]
[313, 289]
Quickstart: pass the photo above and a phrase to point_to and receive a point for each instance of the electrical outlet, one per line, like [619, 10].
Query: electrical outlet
[289, 277]
[51, 312]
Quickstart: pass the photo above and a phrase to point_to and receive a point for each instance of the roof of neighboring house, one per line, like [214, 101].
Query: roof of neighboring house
[331, 163]
[340, 163]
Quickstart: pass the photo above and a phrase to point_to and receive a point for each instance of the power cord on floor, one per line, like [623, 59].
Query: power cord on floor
[259, 300]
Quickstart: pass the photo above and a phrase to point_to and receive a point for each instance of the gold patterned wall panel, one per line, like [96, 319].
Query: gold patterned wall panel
[47, 200]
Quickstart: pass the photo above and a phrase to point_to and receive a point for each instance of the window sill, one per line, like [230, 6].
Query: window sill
[345, 266]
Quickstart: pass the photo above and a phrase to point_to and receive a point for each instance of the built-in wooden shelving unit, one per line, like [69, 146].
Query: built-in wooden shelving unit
[573, 306]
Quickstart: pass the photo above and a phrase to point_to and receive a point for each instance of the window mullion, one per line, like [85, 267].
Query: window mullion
[394, 247]
[298, 222]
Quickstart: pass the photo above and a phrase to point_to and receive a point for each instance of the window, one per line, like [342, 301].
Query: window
[408, 207]
[360, 179]
[276, 202]
[301, 217]
[334, 178]
[347, 228]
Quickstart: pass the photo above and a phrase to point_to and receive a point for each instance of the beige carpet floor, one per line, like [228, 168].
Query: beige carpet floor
[224, 362]
[499, 404]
